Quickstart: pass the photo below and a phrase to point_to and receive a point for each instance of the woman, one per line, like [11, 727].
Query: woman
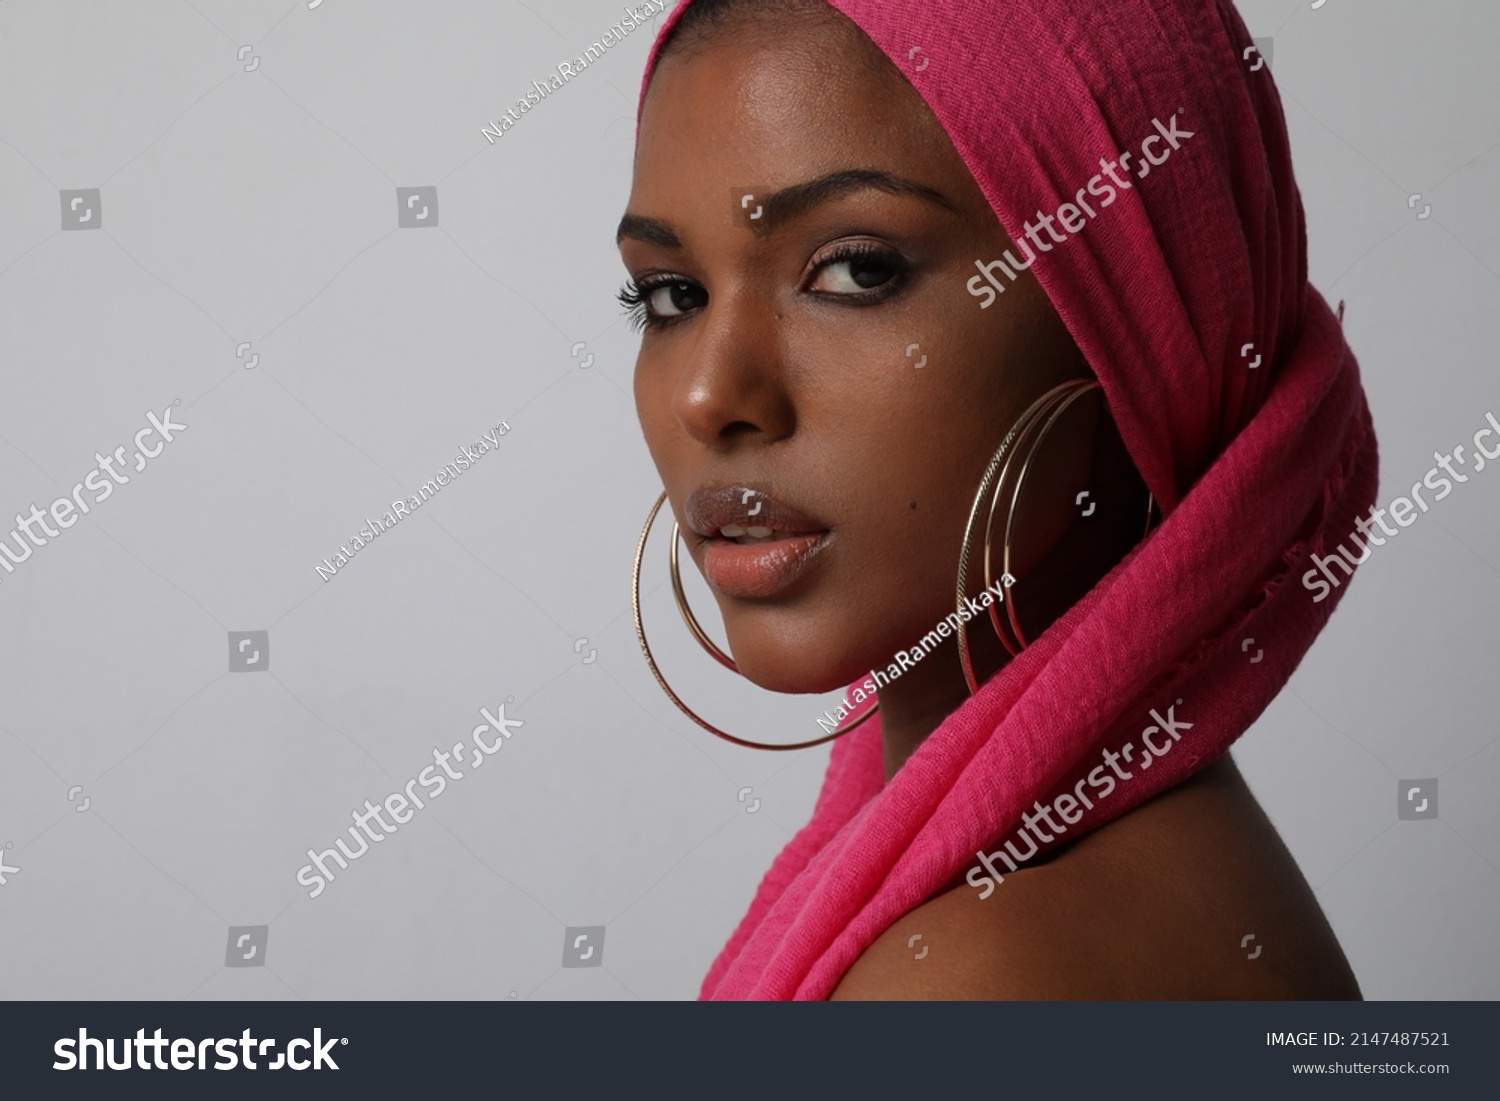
[881, 256]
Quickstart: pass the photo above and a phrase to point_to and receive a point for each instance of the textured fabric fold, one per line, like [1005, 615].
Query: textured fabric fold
[1235, 394]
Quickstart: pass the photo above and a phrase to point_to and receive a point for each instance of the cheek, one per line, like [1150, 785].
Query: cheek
[653, 386]
[908, 407]
[882, 375]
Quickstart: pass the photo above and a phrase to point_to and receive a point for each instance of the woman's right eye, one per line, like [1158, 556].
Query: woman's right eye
[673, 299]
[653, 303]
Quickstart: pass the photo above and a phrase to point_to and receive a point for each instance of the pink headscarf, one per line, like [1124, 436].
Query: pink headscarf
[1256, 467]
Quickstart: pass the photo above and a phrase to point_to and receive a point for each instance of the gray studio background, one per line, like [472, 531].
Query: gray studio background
[250, 196]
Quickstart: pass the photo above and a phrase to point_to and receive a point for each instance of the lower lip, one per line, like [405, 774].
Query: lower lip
[759, 569]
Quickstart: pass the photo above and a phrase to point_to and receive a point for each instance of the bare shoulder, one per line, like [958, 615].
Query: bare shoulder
[1155, 905]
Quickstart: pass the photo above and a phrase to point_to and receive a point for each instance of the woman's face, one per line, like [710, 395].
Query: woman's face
[802, 230]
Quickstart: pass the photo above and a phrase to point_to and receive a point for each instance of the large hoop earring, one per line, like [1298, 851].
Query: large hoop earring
[1032, 425]
[703, 640]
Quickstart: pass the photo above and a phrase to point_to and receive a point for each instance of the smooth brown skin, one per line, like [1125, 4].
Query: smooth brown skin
[1151, 906]
[768, 376]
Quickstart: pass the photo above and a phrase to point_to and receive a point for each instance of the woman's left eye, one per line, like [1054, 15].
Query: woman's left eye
[857, 273]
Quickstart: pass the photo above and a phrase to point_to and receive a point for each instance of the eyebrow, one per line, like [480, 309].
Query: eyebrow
[798, 199]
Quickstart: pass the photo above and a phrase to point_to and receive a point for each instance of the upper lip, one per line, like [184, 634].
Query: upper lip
[710, 508]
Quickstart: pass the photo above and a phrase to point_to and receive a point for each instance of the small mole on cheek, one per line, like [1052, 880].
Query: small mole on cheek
[914, 504]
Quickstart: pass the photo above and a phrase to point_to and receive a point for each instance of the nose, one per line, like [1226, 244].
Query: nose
[733, 387]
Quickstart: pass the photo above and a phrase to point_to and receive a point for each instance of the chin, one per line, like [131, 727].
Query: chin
[801, 667]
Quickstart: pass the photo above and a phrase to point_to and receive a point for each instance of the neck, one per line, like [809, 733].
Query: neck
[914, 705]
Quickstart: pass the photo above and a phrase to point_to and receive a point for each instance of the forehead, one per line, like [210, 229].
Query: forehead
[770, 105]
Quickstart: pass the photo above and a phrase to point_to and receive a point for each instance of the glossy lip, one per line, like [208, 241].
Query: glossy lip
[709, 508]
[758, 570]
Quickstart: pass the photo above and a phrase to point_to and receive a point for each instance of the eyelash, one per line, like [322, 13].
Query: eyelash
[633, 297]
[635, 293]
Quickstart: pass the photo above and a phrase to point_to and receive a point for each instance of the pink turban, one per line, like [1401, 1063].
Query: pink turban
[1236, 396]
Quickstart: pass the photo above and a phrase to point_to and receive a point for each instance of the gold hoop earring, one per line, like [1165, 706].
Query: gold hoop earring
[1041, 426]
[1033, 424]
[703, 640]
